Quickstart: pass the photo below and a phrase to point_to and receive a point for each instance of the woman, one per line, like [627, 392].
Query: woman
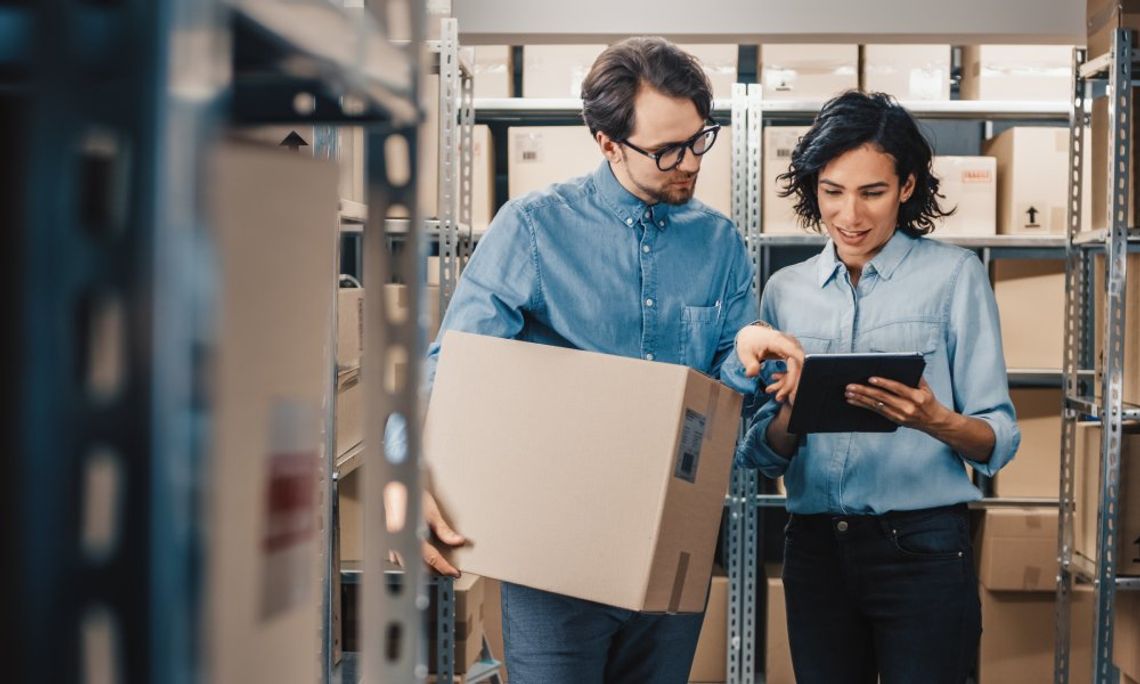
[878, 571]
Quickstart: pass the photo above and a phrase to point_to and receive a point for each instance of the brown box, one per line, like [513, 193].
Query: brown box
[1126, 642]
[1030, 296]
[709, 663]
[1018, 549]
[349, 411]
[1036, 470]
[542, 155]
[909, 72]
[273, 218]
[1100, 145]
[557, 71]
[1130, 372]
[719, 62]
[351, 159]
[969, 185]
[536, 457]
[349, 327]
[778, 212]
[1086, 490]
[351, 490]
[494, 72]
[808, 72]
[470, 595]
[397, 301]
[778, 663]
[1040, 73]
[1033, 180]
[1018, 637]
[1103, 17]
[493, 621]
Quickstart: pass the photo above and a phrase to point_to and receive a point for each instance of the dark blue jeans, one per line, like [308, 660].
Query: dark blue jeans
[554, 639]
[891, 598]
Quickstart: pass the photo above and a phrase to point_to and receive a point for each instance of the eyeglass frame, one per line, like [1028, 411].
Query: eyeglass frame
[710, 125]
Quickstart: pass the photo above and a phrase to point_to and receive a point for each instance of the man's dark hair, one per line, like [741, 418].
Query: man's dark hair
[848, 122]
[618, 73]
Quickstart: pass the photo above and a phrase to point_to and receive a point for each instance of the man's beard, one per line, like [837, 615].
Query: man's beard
[668, 193]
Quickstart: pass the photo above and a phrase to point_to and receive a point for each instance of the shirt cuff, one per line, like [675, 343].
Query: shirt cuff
[732, 375]
[1007, 437]
[754, 451]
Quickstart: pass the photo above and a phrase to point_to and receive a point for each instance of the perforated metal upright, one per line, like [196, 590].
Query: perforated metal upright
[1109, 408]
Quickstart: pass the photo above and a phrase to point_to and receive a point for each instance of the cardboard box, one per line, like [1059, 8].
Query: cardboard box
[470, 595]
[808, 72]
[778, 664]
[351, 158]
[1033, 180]
[1086, 490]
[349, 327]
[1018, 549]
[778, 212]
[719, 62]
[542, 155]
[1036, 470]
[1018, 637]
[909, 72]
[537, 458]
[557, 71]
[1126, 642]
[494, 72]
[349, 410]
[969, 184]
[1039, 73]
[1103, 17]
[710, 660]
[261, 509]
[1030, 296]
[351, 491]
[1130, 371]
[396, 302]
[1100, 145]
[493, 621]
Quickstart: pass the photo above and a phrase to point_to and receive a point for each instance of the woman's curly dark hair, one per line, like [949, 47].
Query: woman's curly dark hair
[848, 122]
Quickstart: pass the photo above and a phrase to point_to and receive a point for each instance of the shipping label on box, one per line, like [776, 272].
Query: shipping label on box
[583, 498]
[779, 215]
[969, 186]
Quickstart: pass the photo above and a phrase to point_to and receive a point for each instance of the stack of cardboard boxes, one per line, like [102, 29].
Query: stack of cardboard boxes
[710, 660]
[470, 627]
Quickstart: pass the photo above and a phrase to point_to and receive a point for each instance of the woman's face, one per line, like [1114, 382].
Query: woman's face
[859, 198]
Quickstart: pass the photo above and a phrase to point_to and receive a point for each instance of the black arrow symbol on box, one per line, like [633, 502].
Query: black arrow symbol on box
[1032, 215]
[293, 141]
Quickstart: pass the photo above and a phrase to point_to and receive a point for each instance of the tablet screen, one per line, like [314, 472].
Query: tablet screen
[821, 401]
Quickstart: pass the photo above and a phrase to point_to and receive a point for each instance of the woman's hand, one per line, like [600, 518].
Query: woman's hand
[906, 406]
[756, 344]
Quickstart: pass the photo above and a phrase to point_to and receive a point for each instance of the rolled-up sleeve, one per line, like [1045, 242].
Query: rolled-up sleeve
[739, 311]
[499, 283]
[754, 451]
[977, 366]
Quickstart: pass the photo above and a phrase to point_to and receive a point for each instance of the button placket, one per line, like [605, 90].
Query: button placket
[648, 301]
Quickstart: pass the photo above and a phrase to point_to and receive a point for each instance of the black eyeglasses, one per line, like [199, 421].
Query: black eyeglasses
[671, 156]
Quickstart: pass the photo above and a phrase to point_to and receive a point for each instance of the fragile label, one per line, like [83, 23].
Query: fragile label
[689, 455]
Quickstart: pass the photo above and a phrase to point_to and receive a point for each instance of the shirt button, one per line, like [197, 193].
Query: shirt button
[629, 222]
[649, 357]
[841, 526]
[645, 248]
[661, 223]
[649, 302]
[647, 214]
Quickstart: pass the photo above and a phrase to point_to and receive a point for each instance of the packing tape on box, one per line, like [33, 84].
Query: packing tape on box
[679, 582]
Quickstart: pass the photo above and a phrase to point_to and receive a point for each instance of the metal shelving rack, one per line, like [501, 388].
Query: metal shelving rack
[151, 85]
[1114, 70]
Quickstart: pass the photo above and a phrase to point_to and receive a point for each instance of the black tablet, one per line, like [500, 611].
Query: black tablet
[821, 401]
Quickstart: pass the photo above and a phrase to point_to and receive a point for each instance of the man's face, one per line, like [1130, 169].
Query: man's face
[659, 121]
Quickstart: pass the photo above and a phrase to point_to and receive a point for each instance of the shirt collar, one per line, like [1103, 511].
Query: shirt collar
[623, 203]
[884, 264]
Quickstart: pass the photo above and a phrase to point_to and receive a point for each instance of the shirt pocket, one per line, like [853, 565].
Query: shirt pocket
[903, 337]
[700, 335]
[816, 345]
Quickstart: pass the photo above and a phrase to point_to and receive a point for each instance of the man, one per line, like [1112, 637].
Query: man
[622, 261]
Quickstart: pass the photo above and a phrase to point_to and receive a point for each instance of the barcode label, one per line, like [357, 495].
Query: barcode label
[689, 455]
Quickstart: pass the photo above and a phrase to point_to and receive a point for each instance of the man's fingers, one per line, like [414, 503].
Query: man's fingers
[438, 525]
[437, 562]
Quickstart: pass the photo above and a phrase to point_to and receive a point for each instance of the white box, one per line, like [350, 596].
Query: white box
[968, 185]
[494, 74]
[1033, 183]
[808, 72]
[557, 71]
[909, 72]
[778, 212]
[720, 65]
[1038, 73]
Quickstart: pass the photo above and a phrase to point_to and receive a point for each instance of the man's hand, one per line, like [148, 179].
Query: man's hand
[443, 532]
[756, 344]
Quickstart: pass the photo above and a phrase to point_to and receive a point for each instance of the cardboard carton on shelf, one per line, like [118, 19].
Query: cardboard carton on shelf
[712, 647]
[779, 216]
[1030, 295]
[969, 186]
[778, 661]
[1017, 550]
[909, 72]
[1086, 492]
[814, 72]
[1036, 73]
[635, 501]
[1036, 469]
[1130, 369]
[557, 71]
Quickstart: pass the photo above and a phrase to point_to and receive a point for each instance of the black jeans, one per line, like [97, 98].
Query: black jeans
[892, 598]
